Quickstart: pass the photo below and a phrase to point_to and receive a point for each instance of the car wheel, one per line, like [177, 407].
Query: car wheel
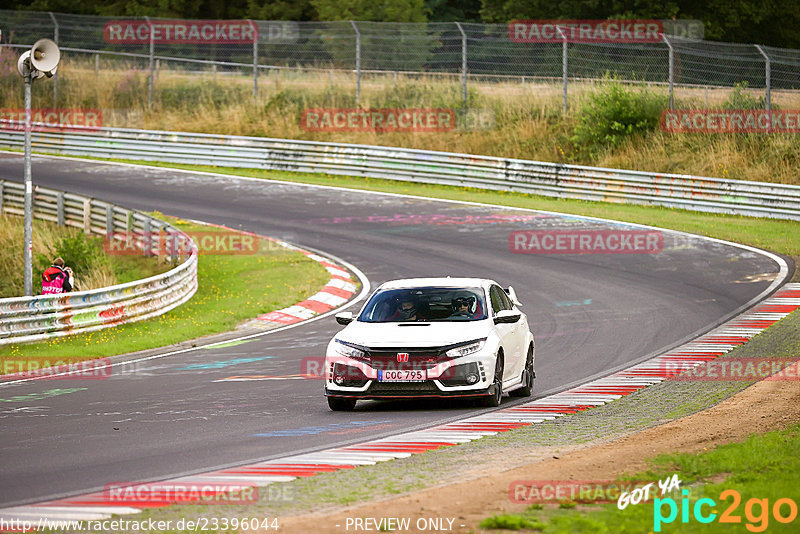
[528, 376]
[340, 404]
[492, 401]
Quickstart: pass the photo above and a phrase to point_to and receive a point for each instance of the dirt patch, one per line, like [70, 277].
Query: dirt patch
[765, 406]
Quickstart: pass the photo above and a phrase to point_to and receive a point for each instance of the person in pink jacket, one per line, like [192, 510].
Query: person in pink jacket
[57, 278]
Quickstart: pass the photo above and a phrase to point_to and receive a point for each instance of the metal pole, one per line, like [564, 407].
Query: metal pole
[767, 77]
[152, 65]
[463, 64]
[564, 67]
[671, 73]
[28, 237]
[55, 76]
[358, 63]
[255, 63]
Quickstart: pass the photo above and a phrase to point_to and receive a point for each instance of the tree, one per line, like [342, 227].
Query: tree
[370, 10]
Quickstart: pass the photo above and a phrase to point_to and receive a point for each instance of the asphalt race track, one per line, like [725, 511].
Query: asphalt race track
[590, 313]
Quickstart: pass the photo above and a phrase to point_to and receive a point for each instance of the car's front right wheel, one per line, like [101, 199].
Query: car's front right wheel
[341, 404]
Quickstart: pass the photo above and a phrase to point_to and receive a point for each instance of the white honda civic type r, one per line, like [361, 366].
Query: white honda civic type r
[432, 337]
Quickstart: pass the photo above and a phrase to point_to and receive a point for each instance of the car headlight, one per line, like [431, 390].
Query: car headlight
[343, 349]
[466, 350]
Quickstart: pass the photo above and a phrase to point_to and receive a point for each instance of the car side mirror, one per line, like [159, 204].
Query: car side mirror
[507, 316]
[344, 318]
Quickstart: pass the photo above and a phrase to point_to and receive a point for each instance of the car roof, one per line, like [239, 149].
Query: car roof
[437, 282]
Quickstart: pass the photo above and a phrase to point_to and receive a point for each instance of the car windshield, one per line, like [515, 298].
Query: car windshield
[429, 304]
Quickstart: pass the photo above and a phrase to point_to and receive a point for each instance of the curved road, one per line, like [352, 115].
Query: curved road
[175, 415]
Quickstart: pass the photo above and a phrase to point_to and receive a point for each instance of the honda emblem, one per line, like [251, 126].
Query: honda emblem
[402, 356]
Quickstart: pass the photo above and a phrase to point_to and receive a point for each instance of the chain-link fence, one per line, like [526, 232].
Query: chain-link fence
[464, 52]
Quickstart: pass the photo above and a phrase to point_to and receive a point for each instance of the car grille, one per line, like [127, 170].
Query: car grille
[386, 360]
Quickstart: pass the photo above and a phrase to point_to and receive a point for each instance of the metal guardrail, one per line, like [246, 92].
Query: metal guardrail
[47, 316]
[739, 197]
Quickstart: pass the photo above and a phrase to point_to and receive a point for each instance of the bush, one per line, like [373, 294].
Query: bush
[614, 113]
[80, 252]
[739, 98]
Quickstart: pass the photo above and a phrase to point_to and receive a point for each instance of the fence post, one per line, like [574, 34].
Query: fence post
[152, 64]
[671, 72]
[109, 222]
[60, 208]
[564, 65]
[463, 64]
[146, 241]
[96, 66]
[767, 77]
[55, 76]
[87, 216]
[358, 63]
[255, 60]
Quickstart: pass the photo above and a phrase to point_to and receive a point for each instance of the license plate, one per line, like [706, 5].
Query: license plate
[417, 375]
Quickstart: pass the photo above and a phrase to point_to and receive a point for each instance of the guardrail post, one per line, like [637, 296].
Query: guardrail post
[109, 221]
[152, 64]
[146, 242]
[767, 77]
[87, 216]
[60, 208]
[463, 64]
[55, 76]
[2, 192]
[358, 62]
[672, 73]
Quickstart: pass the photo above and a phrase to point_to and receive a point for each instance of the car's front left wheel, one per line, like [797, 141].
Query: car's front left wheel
[528, 376]
[341, 404]
[493, 400]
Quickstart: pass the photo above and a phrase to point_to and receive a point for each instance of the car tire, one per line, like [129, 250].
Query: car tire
[528, 375]
[341, 404]
[493, 401]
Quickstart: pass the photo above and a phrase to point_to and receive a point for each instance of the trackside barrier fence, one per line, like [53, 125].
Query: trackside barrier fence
[49, 316]
[757, 199]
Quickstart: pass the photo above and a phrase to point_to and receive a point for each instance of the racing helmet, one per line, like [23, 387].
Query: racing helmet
[464, 298]
[407, 312]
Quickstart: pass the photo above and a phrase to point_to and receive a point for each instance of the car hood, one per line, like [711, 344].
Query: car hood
[399, 335]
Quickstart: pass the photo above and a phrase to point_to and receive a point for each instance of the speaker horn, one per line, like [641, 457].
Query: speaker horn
[45, 56]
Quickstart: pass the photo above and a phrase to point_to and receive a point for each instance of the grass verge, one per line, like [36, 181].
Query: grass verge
[761, 471]
[231, 288]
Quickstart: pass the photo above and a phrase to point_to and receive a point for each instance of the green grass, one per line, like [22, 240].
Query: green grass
[765, 466]
[232, 288]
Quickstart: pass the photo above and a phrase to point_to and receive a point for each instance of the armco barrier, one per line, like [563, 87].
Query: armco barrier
[47, 316]
[541, 178]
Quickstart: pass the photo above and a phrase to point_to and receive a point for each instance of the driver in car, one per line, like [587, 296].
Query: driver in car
[407, 309]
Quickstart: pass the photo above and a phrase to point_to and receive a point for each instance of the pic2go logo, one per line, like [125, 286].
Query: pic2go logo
[756, 511]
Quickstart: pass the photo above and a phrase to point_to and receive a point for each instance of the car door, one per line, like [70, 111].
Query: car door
[507, 333]
[518, 331]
